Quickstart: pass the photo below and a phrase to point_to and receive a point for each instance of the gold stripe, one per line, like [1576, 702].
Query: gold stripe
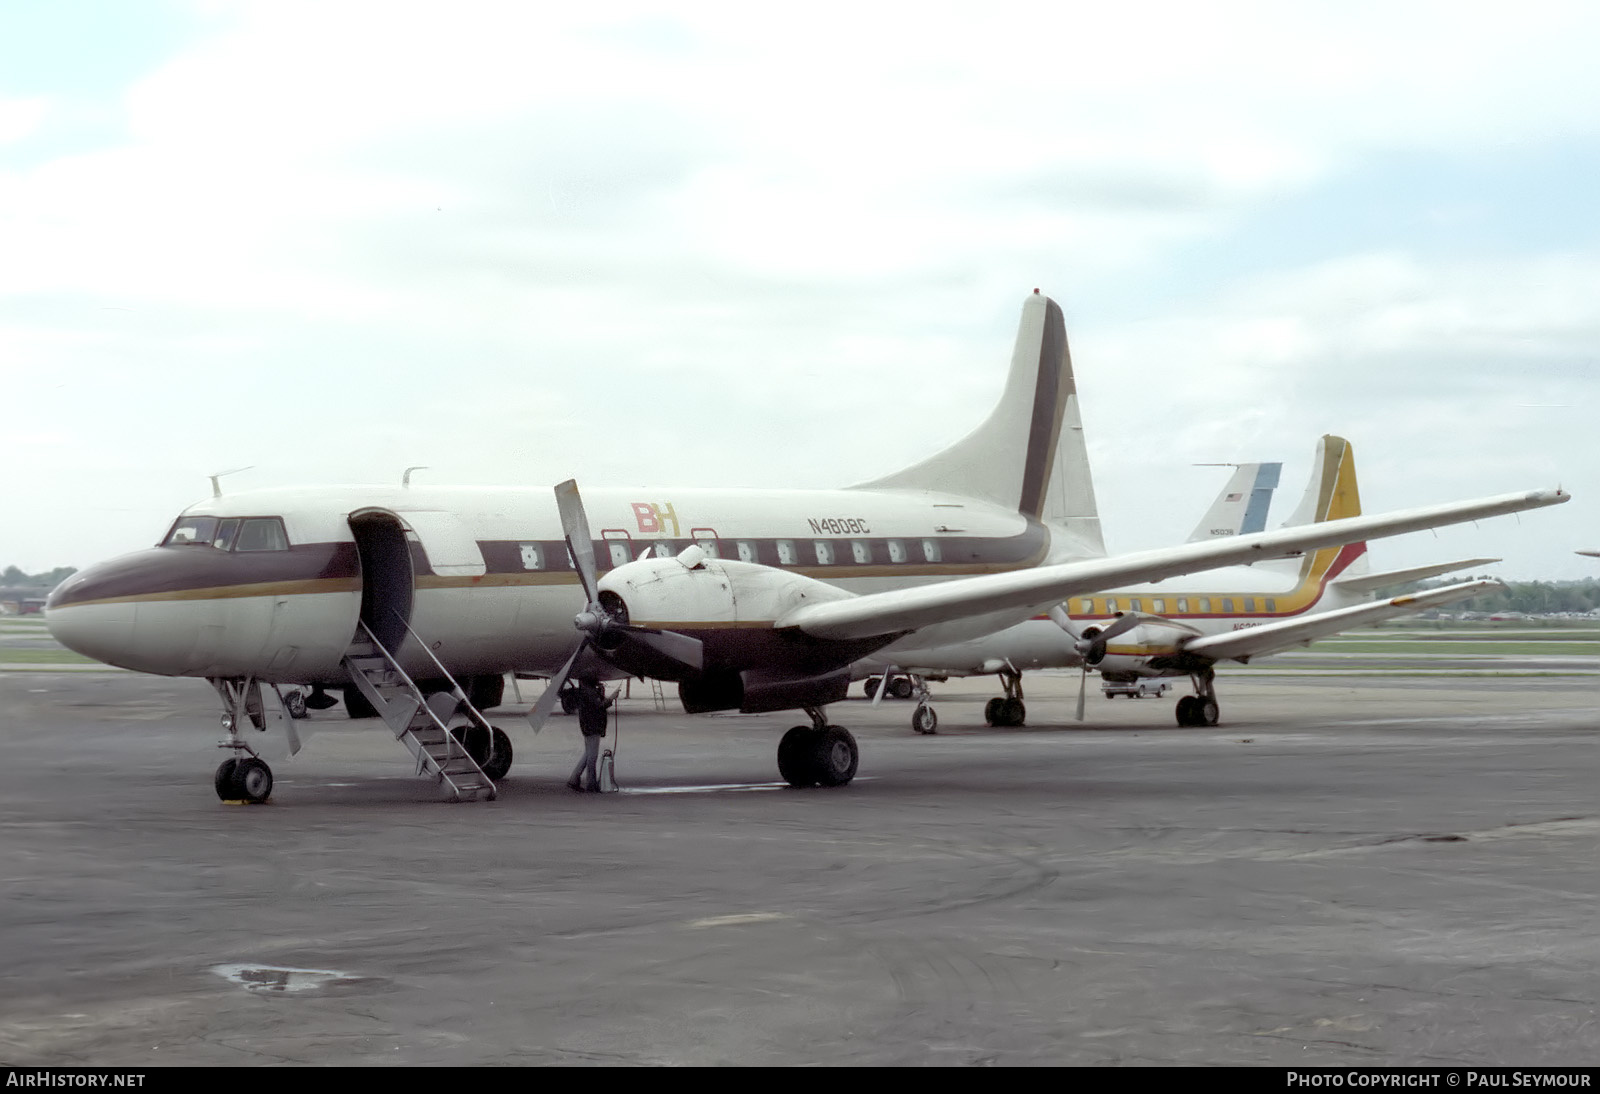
[302, 587]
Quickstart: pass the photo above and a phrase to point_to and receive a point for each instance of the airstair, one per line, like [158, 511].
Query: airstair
[421, 721]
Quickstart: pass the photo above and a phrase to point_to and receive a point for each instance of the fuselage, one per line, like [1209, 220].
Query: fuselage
[272, 583]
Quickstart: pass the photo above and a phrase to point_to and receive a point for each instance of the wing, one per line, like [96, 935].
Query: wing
[1366, 583]
[1273, 637]
[904, 610]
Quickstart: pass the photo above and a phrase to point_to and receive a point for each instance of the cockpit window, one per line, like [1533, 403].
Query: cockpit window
[229, 534]
[198, 531]
[262, 534]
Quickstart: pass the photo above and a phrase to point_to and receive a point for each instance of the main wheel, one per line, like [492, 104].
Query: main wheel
[871, 686]
[924, 720]
[901, 688]
[356, 705]
[991, 710]
[295, 703]
[499, 755]
[796, 759]
[476, 742]
[834, 756]
[1012, 712]
[1185, 710]
[569, 701]
[1206, 712]
[252, 780]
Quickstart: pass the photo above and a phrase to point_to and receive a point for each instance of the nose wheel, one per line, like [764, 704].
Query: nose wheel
[245, 779]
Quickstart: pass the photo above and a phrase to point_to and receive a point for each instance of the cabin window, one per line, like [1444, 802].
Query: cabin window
[1205, 605]
[1227, 605]
[824, 549]
[930, 550]
[1111, 606]
[1159, 606]
[1136, 605]
[1272, 605]
[618, 550]
[787, 556]
[897, 551]
[532, 556]
[709, 546]
[861, 551]
[226, 531]
[747, 551]
[1183, 605]
[1249, 604]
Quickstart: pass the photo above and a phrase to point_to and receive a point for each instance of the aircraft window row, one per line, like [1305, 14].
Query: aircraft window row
[1181, 605]
[229, 533]
[782, 552]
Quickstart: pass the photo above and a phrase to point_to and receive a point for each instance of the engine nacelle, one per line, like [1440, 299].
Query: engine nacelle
[1150, 649]
[730, 607]
[693, 592]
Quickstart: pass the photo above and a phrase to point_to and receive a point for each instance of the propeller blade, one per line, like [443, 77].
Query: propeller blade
[1083, 687]
[665, 655]
[547, 702]
[575, 523]
[1059, 616]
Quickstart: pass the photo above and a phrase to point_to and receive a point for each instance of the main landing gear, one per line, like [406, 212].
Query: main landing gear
[1201, 708]
[1007, 709]
[817, 754]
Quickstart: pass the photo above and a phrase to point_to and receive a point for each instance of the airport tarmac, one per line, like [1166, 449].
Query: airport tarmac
[1348, 871]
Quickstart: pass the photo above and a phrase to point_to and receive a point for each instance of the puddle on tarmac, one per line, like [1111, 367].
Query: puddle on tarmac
[276, 978]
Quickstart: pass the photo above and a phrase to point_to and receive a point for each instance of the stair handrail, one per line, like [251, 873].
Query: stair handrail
[472, 711]
[450, 742]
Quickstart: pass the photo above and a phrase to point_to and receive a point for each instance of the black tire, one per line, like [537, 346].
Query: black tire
[796, 757]
[224, 780]
[1206, 712]
[487, 691]
[1185, 710]
[834, 756]
[924, 720]
[295, 703]
[1012, 712]
[901, 688]
[569, 701]
[991, 710]
[871, 686]
[499, 755]
[356, 705]
[476, 741]
[252, 780]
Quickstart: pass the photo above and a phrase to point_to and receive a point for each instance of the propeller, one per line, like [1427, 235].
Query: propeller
[883, 684]
[603, 622]
[1092, 647]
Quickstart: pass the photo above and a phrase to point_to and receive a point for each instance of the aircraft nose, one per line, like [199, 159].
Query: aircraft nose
[93, 625]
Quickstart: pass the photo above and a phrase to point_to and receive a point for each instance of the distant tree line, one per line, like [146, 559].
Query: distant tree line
[15, 578]
[1528, 597]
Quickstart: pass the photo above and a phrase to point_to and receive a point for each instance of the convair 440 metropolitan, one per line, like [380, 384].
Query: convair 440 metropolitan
[1166, 630]
[419, 599]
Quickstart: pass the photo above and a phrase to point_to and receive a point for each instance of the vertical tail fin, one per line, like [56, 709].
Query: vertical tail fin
[1242, 506]
[1029, 453]
[1331, 494]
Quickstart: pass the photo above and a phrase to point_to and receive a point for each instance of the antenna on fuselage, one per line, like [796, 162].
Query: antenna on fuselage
[405, 480]
[216, 487]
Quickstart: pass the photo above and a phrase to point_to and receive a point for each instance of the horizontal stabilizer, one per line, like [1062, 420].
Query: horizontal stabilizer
[1276, 637]
[1366, 583]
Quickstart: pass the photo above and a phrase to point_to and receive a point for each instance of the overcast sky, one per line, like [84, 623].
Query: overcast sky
[744, 245]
